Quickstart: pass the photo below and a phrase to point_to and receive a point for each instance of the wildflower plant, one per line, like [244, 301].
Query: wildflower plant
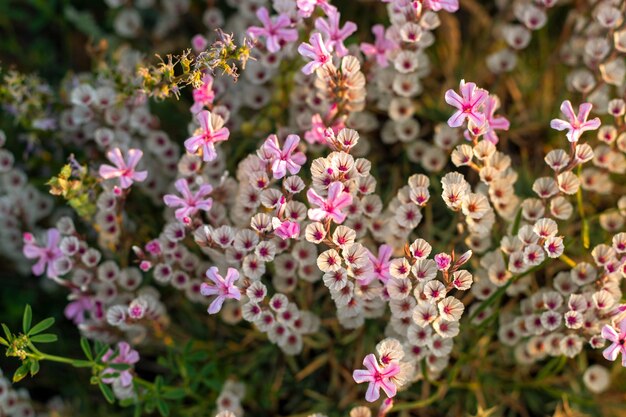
[317, 211]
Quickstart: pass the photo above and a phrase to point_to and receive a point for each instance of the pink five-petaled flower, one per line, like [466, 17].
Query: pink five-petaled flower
[577, 124]
[203, 95]
[285, 229]
[494, 122]
[286, 159]
[277, 31]
[211, 130]
[307, 7]
[45, 255]
[316, 50]
[450, 6]
[124, 170]
[331, 206]
[381, 46]
[381, 263]
[443, 261]
[335, 35]
[618, 341]
[223, 287]
[190, 202]
[467, 103]
[125, 355]
[378, 377]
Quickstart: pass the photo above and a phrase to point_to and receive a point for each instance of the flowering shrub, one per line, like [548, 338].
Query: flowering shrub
[305, 209]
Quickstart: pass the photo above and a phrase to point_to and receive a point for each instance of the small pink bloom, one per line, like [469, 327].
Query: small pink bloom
[450, 6]
[285, 229]
[154, 247]
[468, 104]
[494, 122]
[204, 95]
[190, 203]
[378, 377]
[199, 43]
[277, 32]
[125, 355]
[211, 131]
[223, 288]
[618, 342]
[443, 261]
[381, 263]
[576, 124]
[76, 310]
[381, 46]
[334, 35]
[45, 255]
[317, 51]
[124, 170]
[286, 159]
[331, 206]
[307, 7]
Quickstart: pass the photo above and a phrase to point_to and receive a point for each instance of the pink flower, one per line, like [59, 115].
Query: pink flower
[381, 263]
[335, 36]
[467, 105]
[45, 255]
[223, 287]
[307, 7]
[190, 202]
[378, 377]
[331, 206]
[76, 310]
[494, 122]
[450, 6]
[204, 95]
[125, 355]
[443, 261]
[283, 160]
[381, 46]
[317, 51]
[211, 131]
[124, 170]
[199, 43]
[285, 229]
[275, 31]
[618, 342]
[577, 124]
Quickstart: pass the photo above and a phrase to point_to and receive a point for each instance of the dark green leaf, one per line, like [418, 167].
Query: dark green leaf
[164, 409]
[45, 324]
[34, 367]
[21, 372]
[107, 392]
[7, 332]
[119, 366]
[84, 344]
[44, 338]
[175, 394]
[27, 319]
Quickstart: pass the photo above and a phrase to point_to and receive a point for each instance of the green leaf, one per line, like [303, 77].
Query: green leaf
[82, 364]
[175, 394]
[27, 319]
[164, 409]
[7, 332]
[107, 392]
[119, 366]
[21, 372]
[45, 324]
[44, 338]
[3, 341]
[101, 349]
[34, 367]
[84, 344]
